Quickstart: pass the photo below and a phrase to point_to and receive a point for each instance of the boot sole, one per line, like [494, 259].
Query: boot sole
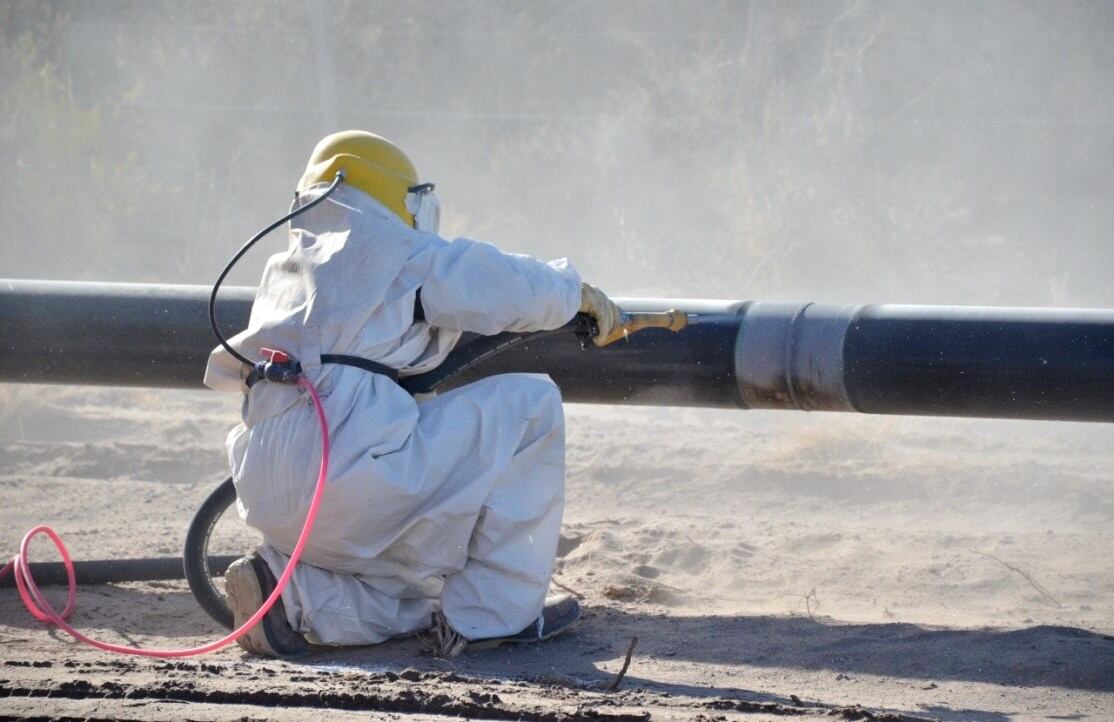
[482, 644]
[494, 642]
[243, 590]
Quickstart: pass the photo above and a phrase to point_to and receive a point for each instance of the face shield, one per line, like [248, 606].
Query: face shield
[426, 209]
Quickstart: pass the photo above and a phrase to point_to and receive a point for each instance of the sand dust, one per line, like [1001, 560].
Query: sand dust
[770, 564]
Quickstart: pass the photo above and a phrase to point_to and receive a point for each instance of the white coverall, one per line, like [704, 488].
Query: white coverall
[453, 501]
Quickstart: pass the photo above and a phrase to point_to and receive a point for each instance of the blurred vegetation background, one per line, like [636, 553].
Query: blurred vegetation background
[944, 152]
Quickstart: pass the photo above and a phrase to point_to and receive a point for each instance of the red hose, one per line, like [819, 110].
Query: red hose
[37, 604]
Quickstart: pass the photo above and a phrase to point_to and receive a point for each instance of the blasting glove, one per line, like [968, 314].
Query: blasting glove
[609, 317]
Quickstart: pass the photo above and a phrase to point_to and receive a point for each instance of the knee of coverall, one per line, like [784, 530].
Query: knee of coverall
[533, 396]
[534, 482]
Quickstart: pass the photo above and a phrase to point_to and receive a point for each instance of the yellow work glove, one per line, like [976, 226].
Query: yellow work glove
[609, 317]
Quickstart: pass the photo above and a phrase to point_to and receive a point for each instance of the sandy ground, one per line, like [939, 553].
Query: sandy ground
[770, 565]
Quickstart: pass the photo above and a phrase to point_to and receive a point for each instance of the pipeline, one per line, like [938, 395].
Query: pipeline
[877, 359]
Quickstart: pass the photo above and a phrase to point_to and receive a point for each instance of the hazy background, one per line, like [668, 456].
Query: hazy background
[944, 152]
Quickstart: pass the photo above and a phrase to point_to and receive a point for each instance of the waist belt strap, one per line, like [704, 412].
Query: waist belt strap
[360, 363]
[344, 360]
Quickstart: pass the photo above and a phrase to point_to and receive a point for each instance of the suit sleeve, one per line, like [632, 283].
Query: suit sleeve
[473, 286]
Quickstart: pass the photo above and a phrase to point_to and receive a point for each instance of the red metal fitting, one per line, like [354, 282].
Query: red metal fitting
[275, 356]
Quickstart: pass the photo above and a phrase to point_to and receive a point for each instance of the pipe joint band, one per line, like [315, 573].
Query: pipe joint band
[790, 356]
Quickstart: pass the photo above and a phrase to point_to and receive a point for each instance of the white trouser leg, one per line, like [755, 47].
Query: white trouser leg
[502, 587]
[344, 609]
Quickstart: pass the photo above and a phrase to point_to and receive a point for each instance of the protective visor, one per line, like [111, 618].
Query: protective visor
[426, 209]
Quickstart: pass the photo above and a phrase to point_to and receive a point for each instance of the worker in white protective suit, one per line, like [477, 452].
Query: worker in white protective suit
[439, 514]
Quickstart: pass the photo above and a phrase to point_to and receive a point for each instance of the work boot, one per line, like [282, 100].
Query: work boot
[248, 582]
[559, 613]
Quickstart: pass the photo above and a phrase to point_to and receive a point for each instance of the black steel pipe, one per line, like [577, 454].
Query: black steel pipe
[927, 360]
[1013, 363]
[655, 367]
[114, 334]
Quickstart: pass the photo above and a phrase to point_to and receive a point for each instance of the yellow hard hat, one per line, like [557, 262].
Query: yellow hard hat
[370, 162]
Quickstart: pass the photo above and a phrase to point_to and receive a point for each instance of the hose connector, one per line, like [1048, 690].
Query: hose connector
[278, 367]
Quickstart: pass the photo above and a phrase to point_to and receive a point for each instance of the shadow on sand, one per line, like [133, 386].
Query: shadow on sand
[1040, 656]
